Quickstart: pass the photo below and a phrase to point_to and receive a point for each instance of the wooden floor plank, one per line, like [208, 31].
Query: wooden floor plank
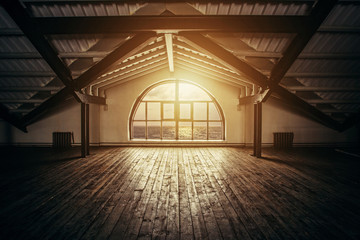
[183, 193]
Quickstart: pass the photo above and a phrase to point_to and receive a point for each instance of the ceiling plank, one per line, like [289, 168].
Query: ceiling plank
[226, 58]
[131, 76]
[333, 101]
[31, 29]
[13, 120]
[322, 89]
[201, 66]
[27, 74]
[29, 89]
[318, 14]
[21, 100]
[124, 51]
[125, 66]
[129, 24]
[133, 72]
[119, 54]
[258, 78]
[204, 73]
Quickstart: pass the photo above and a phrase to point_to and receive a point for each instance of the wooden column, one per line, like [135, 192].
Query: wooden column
[83, 130]
[87, 128]
[257, 128]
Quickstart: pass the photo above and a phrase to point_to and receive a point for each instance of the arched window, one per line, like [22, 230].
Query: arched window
[176, 110]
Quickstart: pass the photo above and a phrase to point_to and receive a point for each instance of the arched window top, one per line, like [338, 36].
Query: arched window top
[176, 110]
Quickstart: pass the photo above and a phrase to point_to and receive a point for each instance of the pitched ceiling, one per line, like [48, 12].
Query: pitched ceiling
[304, 53]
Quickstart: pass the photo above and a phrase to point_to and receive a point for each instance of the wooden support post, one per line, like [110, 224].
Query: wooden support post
[257, 129]
[83, 130]
[87, 129]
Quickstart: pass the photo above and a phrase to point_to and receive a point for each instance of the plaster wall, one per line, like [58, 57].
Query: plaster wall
[279, 118]
[40, 133]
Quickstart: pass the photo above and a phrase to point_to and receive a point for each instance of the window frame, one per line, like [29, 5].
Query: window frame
[176, 102]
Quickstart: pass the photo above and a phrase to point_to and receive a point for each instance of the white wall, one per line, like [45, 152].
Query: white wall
[40, 133]
[110, 124]
[278, 118]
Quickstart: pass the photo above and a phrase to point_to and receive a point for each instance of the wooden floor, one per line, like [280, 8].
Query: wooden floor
[184, 193]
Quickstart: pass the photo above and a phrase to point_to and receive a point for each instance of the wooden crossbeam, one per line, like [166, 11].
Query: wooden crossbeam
[306, 108]
[13, 120]
[31, 29]
[197, 66]
[127, 49]
[317, 16]
[44, 107]
[226, 58]
[119, 54]
[132, 74]
[129, 24]
[88, 99]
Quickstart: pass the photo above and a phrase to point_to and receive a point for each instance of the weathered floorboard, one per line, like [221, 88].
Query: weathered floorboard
[183, 193]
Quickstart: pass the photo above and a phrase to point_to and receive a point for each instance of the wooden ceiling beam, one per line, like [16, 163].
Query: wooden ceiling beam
[225, 57]
[88, 99]
[192, 66]
[218, 53]
[125, 66]
[306, 108]
[46, 106]
[197, 23]
[121, 53]
[131, 76]
[10, 118]
[136, 71]
[318, 14]
[31, 29]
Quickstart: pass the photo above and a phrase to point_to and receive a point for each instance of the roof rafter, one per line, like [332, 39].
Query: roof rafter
[318, 14]
[13, 120]
[226, 58]
[30, 28]
[127, 49]
[119, 54]
[258, 78]
[130, 76]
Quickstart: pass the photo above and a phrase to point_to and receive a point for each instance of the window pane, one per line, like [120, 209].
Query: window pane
[140, 112]
[213, 112]
[185, 130]
[138, 130]
[200, 111]
[191, 92]
[168, 109]
[153, 130]
[200, 130]
[215, 130]
[168, 130]
[162, 92]
[153, 111]
[185, 111]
